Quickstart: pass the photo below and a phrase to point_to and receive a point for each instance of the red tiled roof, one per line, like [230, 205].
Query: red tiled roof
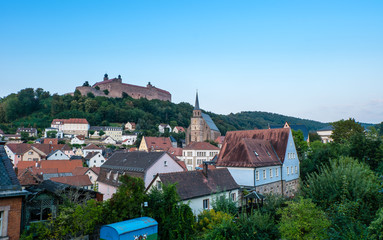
[26, 164]
[80, 171]
[158, 143]
[91, 147]
[81, 137]
[79, 181]
[51, 141]
[180, 129]
[220, 139]
[209, 166]
[201, 146]
[70, 121]
[182, 164]
[175, 151]
[278, 139]
[63, 166]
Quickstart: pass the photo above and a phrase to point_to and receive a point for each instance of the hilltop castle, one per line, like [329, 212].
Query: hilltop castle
[115, 88]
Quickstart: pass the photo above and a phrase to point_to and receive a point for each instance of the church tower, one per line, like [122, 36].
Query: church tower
[197, 122]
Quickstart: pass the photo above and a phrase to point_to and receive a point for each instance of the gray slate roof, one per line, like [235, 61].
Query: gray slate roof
[9, 184]
[210, 122]
[132, 161]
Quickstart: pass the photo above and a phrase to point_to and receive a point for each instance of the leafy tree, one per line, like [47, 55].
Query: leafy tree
[175, 219]
[344, 129]
[24, 136]
[345, 179]
[86, 84]
[225, 204]
[90, 95]
[106, 91]
[302, 219]
[257, 225]
[51, 134]
[300, 143]
[375, 229]
[210, 219]
[97, 87]
[127, 202]
[314, 137]
[101, 133]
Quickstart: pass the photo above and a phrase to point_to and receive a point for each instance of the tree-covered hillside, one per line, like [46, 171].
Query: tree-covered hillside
[37, 108]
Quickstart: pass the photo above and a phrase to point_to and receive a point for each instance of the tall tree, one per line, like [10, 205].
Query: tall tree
[344, 129]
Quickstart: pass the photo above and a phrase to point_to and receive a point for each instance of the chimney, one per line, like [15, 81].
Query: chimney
[205, 169]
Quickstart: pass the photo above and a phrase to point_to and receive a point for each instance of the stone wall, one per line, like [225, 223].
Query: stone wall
[289, 188]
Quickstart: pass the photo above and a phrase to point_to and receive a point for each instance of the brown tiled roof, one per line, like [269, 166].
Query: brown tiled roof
[78, 181]
[19, 148]
[51, 141]
[81, 137]
[250, 153]
[66, 148]
[194, 184]
[27, 177]
[1, 131]
[96, 170]
[48, 148]
[200, 146]
[175, 151]
[70, 121]
[63, 166]
[209, 166]
[40, 170]
[158, 143]
[278, 139]
[80, 171]
[91, 147]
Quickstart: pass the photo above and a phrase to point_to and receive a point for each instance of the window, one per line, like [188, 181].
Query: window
[288, 171]
[189, 154]
[264, 174]
[206, 204]
[276, 172]
[189, 162]
[165, 163]
[257, 175]
[233, 197]
[94, 161]
[256, 154]
[199, 161]
[159, 185]
[296, 169]
[271, 173]
[30, 153]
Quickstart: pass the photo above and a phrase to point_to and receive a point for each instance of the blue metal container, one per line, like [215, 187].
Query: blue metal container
[134, 229]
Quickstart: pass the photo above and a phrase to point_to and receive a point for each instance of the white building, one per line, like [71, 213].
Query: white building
[198, 152]
[72, 126]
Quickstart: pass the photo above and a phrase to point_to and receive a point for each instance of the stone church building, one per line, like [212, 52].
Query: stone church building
[201, 127]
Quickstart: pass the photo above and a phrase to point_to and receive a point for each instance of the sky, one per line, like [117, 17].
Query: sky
[319, 60]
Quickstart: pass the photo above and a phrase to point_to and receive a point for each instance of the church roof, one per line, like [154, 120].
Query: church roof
[209, 122]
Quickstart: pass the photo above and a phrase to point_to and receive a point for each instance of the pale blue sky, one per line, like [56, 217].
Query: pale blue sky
[319, 60]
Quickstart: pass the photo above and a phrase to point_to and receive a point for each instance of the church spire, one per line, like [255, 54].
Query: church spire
[196, 106]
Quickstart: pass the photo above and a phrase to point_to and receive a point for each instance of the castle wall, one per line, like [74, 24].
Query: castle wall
[116, 88]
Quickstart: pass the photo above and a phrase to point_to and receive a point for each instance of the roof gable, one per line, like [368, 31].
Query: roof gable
[200, 146]
[158, 143]
[278, 138]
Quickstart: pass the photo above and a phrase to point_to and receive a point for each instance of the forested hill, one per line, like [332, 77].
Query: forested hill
[37, 108]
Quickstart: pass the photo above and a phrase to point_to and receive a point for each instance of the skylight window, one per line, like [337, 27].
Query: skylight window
[268, 153]
[256, 154]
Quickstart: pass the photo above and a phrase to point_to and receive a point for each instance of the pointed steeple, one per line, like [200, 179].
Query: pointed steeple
[196, 106]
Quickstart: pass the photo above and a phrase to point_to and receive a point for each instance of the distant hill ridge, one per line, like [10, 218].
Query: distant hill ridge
[37, 108]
